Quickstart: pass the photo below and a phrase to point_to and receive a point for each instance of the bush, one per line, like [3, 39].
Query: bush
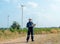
[15, 25]
[54, 31]
[12, 30]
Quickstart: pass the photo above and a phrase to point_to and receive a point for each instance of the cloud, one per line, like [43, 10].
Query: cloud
[28, 5]
[57, 0]
[54, 7]
[33, 4]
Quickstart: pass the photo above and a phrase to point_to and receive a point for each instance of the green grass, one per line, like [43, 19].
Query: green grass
[39, 30]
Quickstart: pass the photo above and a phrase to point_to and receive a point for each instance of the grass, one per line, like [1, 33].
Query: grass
[7, 34]
[47, 39]
[15, 33]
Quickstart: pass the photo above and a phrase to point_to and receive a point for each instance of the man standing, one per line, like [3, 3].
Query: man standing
[30, 26]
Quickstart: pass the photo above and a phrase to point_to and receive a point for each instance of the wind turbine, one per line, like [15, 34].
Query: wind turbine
[22, 10]
[22, 6]
[8, 21]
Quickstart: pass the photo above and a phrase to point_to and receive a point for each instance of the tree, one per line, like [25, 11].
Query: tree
[15, 25]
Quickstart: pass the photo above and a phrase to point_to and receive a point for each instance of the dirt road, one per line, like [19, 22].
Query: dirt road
[39, 39]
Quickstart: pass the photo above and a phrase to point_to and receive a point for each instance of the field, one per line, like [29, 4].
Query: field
[43, 30]
[42, 35]
[39, 39]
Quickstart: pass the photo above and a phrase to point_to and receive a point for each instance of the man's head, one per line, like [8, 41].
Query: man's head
[30, 19]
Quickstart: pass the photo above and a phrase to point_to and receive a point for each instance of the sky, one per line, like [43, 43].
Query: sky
[44, 13]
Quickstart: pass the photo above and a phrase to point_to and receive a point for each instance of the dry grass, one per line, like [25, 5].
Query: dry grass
[44, 36]
[47, 39]
[54, 31]
[39, 39]
[7, 35]
[43, 32]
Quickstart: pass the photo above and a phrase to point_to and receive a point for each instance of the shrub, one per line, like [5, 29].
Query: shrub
[54, 31]
[15, 25]
[12, 30]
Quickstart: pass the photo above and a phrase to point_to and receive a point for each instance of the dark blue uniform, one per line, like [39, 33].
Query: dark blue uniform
[30, 31]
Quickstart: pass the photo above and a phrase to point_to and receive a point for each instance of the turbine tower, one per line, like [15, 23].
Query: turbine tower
[8, 21]
[22, 15]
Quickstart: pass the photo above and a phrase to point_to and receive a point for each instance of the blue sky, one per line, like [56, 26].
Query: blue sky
[45, 13]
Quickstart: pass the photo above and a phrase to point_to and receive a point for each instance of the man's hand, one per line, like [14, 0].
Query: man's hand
[34, 25]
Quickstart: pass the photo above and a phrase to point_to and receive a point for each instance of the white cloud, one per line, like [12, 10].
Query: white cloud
[57, 0]
[28, 5]
[33, 4]
[54, 7]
